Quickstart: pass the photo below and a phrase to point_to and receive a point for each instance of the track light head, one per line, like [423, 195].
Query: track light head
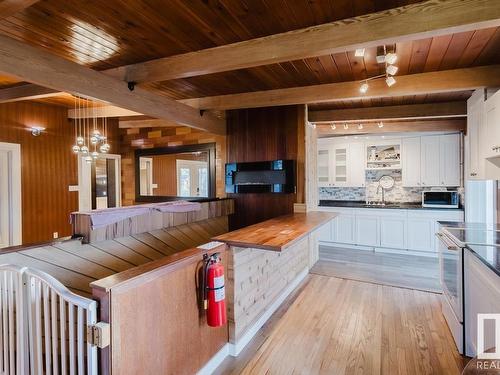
[360, 52]
[363, 88]
[391, 69]
[390, 80]
[333, 126]
[391, 58]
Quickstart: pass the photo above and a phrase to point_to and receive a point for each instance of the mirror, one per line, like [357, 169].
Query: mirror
[175, 173]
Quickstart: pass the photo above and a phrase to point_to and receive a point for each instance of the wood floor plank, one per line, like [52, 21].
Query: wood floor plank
[339, 326]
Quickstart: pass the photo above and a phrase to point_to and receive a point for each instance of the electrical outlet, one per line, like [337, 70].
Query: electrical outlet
[55, 234]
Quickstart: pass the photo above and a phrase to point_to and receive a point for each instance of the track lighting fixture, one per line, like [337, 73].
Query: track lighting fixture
[360, 126]
[364, 87]
[390, 58]
[333, 126]
[391, 69]
[390, 80]
[346, 126]
[360, 52]
[380, 124]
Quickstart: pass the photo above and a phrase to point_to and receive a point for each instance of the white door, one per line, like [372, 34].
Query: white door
[429, 160]
[367, 230]
[10, 195]
[192, 178]
[449, 160]
[410, 155]
[356, 166]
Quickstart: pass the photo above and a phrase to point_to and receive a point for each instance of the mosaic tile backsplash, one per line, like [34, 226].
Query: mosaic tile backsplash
[369, 193]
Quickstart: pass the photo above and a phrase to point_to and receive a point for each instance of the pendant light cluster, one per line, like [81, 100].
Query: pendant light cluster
[389, 59]
[91, 133]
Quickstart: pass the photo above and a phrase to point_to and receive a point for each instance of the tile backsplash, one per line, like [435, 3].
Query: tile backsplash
[369, 193]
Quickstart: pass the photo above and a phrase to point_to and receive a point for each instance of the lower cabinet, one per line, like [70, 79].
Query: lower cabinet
[367, 230]
[395, 229]
[482, 296]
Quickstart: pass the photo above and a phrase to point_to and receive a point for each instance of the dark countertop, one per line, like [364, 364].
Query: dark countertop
[489, 255]
[388, 205]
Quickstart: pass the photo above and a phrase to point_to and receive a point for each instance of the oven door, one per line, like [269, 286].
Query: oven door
[450, 261]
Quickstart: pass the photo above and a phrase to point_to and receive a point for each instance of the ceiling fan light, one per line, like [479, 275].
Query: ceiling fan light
[392, 69]
[390, 81]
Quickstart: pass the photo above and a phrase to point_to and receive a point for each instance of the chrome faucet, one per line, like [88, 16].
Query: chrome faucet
[383, 197]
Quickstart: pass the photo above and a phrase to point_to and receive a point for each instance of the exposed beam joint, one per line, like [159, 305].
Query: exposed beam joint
[399, 112]
[414, 84]
[35, 65]
[411, 22]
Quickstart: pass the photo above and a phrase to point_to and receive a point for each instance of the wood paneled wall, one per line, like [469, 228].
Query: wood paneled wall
[135, 138]
[265, 134]
[48, 167]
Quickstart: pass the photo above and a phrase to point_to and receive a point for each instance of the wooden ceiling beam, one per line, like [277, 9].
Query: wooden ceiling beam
[455, 124]
[415, 21]
[10, 7]
[26, 92]
[152, 123]
[101, 111]
[413, 84]
[401, 112]
[34, 65]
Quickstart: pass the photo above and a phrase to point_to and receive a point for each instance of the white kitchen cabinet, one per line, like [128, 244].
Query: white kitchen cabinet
[356, 167]
[482, 296]
[492, 123]
[324, 233]
[449, 159]
[340, 165]
[410, 155]
[421, 234]
[325, 161]
[343, 229]
[429, 160]
[474, 153]
[367, 229]
[393, 229]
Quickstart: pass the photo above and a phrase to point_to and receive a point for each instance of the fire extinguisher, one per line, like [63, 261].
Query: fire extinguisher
[213, 290]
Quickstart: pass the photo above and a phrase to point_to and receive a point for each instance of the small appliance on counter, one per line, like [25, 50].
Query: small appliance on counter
[440, 198]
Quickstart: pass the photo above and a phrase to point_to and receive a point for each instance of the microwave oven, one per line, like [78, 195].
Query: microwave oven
[440, 199]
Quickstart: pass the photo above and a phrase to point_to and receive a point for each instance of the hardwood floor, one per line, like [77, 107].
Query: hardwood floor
[339, 326]
[401, 270]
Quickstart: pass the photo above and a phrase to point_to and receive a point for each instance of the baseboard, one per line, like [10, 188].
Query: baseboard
[345, 246]
[215, 361]
[237, 347]
[406, 252]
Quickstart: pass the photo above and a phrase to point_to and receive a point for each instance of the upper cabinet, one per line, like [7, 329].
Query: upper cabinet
[492, 122]
[410, 158]
[474, 159]
[324, 166]
[429, 161]
[341, 165]
[440, 160]
[357, 174]
[340, 162]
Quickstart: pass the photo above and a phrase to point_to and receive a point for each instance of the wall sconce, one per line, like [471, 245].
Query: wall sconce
[36, 131]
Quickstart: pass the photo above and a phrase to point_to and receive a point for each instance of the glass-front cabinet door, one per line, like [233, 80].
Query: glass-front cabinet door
[324, 167]
[340, 153]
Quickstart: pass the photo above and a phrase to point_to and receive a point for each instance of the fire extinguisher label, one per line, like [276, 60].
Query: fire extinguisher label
[220, 292]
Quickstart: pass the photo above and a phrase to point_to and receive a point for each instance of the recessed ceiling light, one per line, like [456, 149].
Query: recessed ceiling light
[364, 88]
[360, 52]
[390, 81]
[391, 69]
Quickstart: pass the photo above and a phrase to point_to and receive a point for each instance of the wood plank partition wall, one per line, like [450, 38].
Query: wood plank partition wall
[135, 138]
[265, 134]
[48, 167]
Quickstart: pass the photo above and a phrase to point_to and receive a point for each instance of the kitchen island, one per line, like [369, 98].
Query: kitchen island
[266, 262]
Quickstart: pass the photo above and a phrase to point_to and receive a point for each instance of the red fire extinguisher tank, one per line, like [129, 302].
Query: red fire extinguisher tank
[216, 307]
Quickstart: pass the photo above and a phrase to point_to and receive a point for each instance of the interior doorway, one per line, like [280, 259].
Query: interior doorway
[10, 195]
[192, 178]
[99, 182]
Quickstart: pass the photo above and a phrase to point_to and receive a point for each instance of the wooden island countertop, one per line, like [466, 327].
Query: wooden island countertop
[276, 234]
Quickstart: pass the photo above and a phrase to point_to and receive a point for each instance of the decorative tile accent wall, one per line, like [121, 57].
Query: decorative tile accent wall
[369, 193]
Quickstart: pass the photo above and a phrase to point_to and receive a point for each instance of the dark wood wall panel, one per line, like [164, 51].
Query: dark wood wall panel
[257, 135]
[48, 167]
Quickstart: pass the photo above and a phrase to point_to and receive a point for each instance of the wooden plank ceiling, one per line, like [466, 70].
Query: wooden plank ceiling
[113, 33]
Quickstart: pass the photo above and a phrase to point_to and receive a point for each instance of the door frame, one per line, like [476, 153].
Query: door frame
[85, 181]
[15, 192]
